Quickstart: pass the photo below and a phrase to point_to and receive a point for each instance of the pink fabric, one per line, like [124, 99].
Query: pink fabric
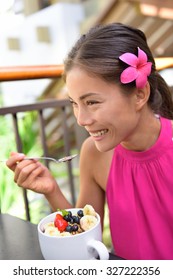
[140, 199]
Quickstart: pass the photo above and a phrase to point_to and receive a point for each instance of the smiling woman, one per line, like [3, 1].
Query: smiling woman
[128, 158]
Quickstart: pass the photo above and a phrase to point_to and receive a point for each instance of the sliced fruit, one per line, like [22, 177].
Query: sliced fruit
[87, 222]
[60, 223]
[52, 231]
[89, 210]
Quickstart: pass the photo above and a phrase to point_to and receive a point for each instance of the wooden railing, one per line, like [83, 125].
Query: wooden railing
[164, 62]
[15, 73]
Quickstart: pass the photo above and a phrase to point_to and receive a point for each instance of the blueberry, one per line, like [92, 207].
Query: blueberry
[66, 217]
[80, 213]
[70, 213]
[76, 219]
[74, 227]
[69, 228]
[71, 220]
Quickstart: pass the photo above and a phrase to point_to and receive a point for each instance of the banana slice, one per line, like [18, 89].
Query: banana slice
[65, 233]
[50, 224]
[87, 222]
[52, 231]
[89, 210]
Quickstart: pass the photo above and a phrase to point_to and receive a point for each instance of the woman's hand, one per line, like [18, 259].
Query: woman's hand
[31, 174]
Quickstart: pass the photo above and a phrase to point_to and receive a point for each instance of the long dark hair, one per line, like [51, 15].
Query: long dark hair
[98, 51]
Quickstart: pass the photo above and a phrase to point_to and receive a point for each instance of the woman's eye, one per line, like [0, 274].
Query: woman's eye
[92, 102]
[73, 103]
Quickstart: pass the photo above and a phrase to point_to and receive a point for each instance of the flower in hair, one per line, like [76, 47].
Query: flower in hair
[138, 70]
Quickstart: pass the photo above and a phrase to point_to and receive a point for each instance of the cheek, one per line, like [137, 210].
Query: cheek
[120, 117]
[122, 108]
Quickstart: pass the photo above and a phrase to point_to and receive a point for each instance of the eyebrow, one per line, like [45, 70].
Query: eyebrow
[85, 95]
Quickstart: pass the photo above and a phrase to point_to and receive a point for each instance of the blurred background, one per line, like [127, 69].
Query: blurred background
[41, 32]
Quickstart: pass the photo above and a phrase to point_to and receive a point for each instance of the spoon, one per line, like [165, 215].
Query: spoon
[64, 159]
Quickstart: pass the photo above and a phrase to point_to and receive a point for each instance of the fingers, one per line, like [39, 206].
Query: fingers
[29, 174]
[34, 180]
[14, 159]
[24, 169]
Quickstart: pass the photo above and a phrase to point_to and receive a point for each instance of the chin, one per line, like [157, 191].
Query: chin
[104, 148]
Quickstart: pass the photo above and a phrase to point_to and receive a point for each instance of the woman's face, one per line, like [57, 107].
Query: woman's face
[107, 114]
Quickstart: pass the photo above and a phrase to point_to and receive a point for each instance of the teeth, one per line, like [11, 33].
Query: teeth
[87, 222]
[99, 133]
[89, 210]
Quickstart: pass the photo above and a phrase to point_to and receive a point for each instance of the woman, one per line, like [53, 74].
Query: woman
[124, 104]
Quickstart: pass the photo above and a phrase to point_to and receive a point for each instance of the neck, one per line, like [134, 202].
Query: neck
[146, 133]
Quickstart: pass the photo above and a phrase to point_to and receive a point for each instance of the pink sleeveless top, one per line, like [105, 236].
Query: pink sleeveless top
[140, 199]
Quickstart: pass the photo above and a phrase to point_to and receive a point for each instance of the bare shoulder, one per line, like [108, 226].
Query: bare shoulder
[89, 148]
[91, 153]
[96, 162]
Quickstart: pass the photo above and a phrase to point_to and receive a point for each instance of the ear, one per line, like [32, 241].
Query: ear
[142, 96]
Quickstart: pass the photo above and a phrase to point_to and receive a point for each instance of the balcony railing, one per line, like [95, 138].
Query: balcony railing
[62, 107]
[15, 73]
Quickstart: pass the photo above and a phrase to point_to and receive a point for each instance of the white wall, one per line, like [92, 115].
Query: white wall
[63, 21]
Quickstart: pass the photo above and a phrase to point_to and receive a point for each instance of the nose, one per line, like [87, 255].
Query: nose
[83, 117]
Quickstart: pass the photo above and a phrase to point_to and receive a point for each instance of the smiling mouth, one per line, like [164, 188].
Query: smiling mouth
[98, 133]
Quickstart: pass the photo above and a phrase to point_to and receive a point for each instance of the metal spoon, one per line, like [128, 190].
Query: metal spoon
[64, 159]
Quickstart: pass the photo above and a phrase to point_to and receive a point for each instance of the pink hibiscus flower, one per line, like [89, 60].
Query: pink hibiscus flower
[138, 70]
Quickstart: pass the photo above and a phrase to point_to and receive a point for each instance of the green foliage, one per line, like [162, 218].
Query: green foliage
[10, 195]
[7, 143]
[106, 231]
[29, 134]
